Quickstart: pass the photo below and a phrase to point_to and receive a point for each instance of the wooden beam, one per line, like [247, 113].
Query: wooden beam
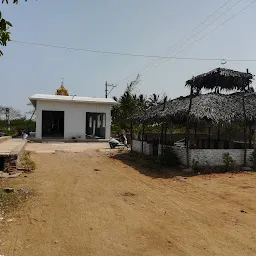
[187, 125]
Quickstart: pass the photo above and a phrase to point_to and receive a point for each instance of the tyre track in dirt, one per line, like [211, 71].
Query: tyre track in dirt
[81, 209]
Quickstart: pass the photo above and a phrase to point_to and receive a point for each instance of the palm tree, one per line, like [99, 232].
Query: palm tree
[153, 99]
[127, 105]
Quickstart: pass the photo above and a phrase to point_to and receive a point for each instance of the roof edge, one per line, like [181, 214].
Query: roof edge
[77, 99]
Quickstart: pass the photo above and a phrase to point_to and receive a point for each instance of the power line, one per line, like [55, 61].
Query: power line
[155, 56]
[115, 53]
[148, 56]
[86, 50]
[136, 55]
[183, 39]
[220, 25]
[194, 35]
[223, 23]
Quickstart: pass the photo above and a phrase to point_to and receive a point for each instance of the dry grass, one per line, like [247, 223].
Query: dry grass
[26, 161]
[10, 201]
[128, 194]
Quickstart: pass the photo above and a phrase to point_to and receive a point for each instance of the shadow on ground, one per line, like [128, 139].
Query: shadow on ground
[149, 166]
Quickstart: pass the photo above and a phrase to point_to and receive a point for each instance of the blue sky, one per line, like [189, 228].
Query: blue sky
[138, 26]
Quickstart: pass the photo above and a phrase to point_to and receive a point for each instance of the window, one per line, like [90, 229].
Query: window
[95, 125]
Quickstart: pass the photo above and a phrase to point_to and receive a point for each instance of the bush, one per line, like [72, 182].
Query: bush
[229, 162]
[195, 165]
[169, 157]
[27, 162]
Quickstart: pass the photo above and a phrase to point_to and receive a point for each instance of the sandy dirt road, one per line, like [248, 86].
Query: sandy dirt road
[89, 204]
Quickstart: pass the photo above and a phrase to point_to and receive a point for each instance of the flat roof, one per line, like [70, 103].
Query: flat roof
[49, 97]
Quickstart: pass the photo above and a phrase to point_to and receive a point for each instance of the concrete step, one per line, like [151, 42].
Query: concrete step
[5, 138]
[12, 147]
[10, 152]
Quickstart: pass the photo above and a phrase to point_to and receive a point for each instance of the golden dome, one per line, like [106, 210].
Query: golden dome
[62, 90]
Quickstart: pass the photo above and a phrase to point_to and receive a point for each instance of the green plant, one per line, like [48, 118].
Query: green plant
[4, 28]
[169, 157]
[9, 133]
[229, 162]
[195, 165]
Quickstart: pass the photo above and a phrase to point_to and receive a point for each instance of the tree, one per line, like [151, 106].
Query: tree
[31, 112]
[4, 33]
[127, 105]
[153, 99]
[11, 112]
[14, 114]
[4, 27]
[14, 1]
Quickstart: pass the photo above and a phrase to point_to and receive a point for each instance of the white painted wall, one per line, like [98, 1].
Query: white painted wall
[211, 157]
[74, 116]
[137, 147]
[214, 157]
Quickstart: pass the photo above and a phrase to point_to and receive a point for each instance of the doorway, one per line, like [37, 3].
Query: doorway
[95, 125]
[52, 124]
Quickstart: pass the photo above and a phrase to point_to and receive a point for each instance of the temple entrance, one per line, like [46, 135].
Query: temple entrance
[52, 124]
[95, 125]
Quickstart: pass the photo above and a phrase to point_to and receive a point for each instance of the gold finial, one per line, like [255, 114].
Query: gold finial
[62, 90]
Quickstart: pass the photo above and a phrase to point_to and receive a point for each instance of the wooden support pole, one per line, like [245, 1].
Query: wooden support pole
[209, 137]
[131, 133]
[142, 139]
[195, 129]
[165, 133]
[218, 137]
[254, 139]
[245, 143]
[162, 138]
[245, 123]
[229, 134]
[250, 136]
[171, 130]
[187, 126]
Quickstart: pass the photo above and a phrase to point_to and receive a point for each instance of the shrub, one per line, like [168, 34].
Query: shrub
[169, 157]
[229, 162]
[27, 162]
[195, 165]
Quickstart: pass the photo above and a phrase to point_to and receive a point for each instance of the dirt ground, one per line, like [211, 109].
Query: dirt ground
[90, 204]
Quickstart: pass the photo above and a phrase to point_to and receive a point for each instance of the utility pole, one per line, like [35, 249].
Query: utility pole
[106, 89]
[7, 118]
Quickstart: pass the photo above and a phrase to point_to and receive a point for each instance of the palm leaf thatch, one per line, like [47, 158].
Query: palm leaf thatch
[212, 107]
[221, 79]
[153, 114]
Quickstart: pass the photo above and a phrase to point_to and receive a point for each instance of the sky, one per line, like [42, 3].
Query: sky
[148, 27]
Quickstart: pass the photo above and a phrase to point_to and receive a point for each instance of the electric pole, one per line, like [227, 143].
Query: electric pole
[7, 117]
[106, 89]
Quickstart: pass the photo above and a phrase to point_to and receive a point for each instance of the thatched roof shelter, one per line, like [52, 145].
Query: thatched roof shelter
[212, 107]
[152, 115]
[221, 79]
